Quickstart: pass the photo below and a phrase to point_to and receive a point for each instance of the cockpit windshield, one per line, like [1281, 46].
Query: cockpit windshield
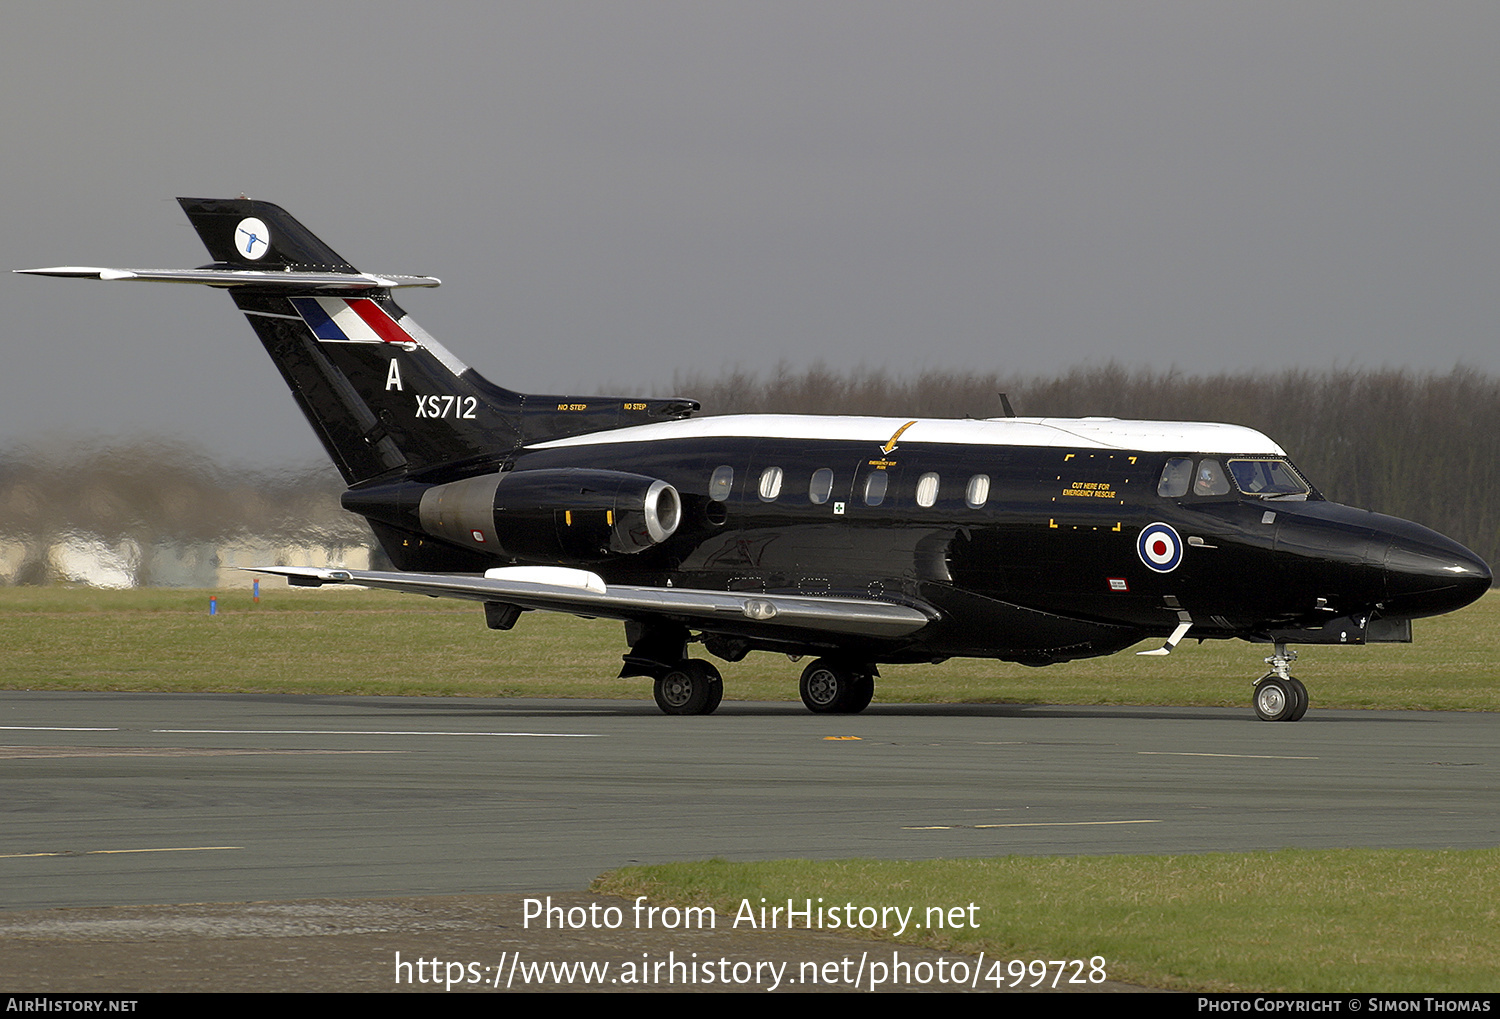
[1269, 479]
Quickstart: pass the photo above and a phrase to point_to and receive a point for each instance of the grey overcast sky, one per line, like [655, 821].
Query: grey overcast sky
[614, 191]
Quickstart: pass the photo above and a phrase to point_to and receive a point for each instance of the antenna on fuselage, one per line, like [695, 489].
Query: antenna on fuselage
[1005, 406]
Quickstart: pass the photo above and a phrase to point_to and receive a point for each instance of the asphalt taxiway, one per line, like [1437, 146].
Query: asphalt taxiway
[122, 799]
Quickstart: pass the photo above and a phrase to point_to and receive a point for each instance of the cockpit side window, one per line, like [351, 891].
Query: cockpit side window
[1211, 479]
[1176, 476]
[1269, 479]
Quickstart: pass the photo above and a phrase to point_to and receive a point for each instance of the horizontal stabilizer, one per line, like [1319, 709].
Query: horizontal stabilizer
[214, 277]
[700, 609]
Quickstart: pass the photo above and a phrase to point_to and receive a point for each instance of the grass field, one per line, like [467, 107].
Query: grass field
[369, 642]
[1380, 920]
[1294, 920]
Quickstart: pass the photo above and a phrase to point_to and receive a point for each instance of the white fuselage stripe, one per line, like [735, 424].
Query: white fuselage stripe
[1084, 433]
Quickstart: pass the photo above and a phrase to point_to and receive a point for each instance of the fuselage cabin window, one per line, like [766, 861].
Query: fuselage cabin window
[720, 484]
[770, 484]
[821, 486]
[927, 490]
[875, 486]
[977, 492]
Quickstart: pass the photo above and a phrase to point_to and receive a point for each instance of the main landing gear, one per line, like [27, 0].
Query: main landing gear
[681, 685]
[1279, 696]
[691, 687]
[831, 686]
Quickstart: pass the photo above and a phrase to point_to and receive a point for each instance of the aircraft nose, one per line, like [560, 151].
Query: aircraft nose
[1427, 574]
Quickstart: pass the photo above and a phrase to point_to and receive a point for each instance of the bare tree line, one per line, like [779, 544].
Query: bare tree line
[137, 504]
[1421, 446]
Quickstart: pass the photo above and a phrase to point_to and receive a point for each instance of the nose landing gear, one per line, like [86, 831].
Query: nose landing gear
[1279, 696]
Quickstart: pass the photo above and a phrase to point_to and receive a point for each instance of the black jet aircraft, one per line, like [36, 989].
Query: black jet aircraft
[856, 541]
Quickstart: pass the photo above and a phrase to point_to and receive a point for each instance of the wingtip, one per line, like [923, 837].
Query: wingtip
[76, 271]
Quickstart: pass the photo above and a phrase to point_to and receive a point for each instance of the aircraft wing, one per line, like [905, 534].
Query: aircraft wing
[560, 589]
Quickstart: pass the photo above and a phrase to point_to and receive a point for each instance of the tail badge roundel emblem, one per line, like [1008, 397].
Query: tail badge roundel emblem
[252, 238]
[1159, 547]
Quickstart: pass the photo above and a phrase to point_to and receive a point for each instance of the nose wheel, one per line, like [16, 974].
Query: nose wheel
[1279, 696]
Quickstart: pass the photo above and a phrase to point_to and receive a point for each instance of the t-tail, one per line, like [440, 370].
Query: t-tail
[387, 401]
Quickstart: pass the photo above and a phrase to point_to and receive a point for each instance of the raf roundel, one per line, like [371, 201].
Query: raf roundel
[251, 238]
[1160, 548]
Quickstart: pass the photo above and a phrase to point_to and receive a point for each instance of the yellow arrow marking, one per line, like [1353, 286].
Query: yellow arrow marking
[892, 444]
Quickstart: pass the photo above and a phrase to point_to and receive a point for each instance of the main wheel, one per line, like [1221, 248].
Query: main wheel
[690, 687]
[859, 696]
[1275, 699]
[1301, 691]
[830, 686]
[715, 690]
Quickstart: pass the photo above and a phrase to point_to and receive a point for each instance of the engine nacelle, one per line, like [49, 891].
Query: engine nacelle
[552, 515]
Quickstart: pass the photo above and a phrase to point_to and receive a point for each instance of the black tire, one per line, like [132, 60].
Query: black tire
[823, 685]
[1274, 700]
[715, 690]
[860, 696]
[833, 687]
[1302, 700]
[690, 687]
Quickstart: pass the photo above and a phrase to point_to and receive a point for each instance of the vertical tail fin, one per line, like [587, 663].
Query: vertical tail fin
[258, 235]
[383, 396]
[386, 399]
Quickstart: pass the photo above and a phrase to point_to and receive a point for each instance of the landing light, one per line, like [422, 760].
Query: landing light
[759, 609]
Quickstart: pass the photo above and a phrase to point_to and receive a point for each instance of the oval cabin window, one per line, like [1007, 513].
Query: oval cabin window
[977, 492]
[770, 484]
[927, 490]
[720, 484]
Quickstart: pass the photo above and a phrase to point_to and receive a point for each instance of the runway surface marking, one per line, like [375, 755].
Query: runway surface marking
[116, 852]
[372, 732]
[62, 728]
[1254, 757]
[20, 753]
[1027, 824]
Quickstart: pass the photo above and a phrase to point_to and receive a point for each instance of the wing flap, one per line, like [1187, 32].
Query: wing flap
[704, 609]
